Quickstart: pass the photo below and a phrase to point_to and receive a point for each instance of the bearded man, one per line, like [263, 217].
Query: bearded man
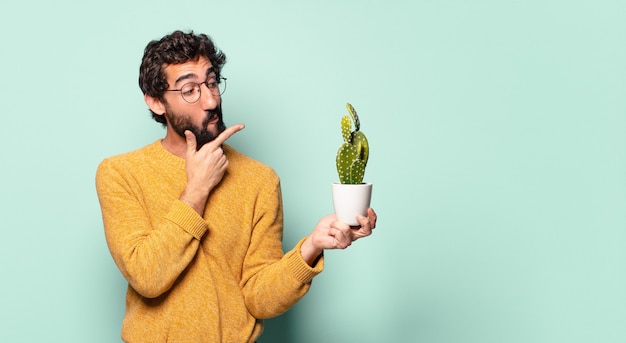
[195, 226]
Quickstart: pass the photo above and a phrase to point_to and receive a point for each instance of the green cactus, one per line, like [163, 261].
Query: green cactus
[354, 152]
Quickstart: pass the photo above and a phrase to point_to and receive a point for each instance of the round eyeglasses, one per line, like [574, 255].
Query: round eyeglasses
[191, 91]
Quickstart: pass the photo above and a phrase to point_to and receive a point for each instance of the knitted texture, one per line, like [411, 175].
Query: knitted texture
[195, 279]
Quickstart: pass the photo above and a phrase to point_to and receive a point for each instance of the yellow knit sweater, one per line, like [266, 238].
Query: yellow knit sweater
[194, 279]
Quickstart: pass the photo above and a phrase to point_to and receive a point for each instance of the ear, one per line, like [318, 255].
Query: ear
[154, 104]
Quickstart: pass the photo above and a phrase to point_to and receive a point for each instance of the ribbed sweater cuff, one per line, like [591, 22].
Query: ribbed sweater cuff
[187, 219]
[299, 268]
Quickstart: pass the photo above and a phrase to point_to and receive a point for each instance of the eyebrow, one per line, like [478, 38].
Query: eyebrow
[209, 71]
[192, 76]
[185, 77]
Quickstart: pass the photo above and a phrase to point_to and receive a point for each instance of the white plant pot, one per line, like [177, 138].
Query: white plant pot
[350, 201]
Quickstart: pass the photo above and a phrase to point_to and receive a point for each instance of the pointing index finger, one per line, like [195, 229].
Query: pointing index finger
[226, 134]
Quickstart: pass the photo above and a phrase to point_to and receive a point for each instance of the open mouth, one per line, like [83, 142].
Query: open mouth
[214, 118]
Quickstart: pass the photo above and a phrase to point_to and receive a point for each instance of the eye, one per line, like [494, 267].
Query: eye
[189, 89]
[211, 85]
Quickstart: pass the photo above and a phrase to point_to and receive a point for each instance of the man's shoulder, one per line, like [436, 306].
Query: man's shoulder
[130, 157]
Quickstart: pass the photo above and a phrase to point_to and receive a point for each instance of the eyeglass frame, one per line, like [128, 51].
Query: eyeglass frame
[214, 84]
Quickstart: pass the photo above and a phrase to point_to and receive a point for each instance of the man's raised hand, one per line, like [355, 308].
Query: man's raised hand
[205, 167]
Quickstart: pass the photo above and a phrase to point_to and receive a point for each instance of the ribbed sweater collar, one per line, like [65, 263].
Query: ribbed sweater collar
[157, 150]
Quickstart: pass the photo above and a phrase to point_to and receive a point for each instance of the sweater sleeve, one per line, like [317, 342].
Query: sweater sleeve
[150, 252]
[272, 281]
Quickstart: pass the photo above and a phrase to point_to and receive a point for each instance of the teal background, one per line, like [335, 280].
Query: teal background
[497, 157]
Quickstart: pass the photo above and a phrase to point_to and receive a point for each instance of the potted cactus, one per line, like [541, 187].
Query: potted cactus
[351, 196]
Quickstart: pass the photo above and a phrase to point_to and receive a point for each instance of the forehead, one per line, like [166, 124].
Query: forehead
[191, 70]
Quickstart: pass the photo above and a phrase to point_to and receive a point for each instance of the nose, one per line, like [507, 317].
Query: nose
[208, 99]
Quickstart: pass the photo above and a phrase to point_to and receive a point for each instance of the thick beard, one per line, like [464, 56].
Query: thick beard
[181, 123]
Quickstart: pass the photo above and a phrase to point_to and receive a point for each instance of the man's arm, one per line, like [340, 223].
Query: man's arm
[271, 285]
[150, 252]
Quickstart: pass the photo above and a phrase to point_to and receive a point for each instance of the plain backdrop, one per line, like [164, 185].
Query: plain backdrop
[498, 158]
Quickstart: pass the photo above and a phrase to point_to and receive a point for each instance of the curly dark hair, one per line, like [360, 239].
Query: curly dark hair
[175, 48]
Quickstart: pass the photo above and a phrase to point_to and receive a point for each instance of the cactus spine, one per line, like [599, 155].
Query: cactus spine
[353, 154]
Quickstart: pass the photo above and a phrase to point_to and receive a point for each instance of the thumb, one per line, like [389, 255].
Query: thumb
[191, 141]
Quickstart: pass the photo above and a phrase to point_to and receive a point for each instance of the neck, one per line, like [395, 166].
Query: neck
[175, 144]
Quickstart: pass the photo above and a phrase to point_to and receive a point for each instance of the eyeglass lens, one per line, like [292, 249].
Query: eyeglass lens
[191, 91]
